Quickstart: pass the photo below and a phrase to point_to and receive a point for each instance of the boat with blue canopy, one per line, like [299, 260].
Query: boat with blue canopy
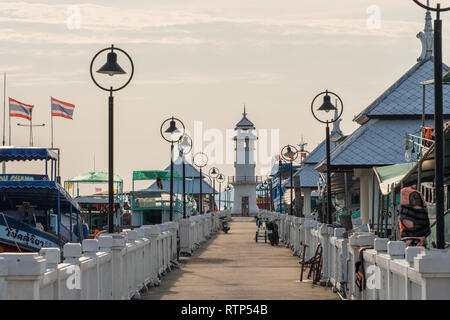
[35, 210]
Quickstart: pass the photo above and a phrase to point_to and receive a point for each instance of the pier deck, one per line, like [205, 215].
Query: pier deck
[233, 266]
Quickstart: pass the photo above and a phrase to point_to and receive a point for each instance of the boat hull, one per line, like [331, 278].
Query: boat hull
[15, 235]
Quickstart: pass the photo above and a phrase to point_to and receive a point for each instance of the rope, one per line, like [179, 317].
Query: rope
[7, 225]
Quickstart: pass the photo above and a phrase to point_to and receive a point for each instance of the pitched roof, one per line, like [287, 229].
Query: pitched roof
[319, 152]
[376, 143]
[244, 123]
[308, 176]
[404, 97]
[191, 172]
[192, 186]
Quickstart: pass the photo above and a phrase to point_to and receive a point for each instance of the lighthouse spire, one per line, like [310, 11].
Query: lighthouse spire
[426, 37]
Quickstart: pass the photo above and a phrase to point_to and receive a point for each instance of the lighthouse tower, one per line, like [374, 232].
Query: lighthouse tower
[245, 181]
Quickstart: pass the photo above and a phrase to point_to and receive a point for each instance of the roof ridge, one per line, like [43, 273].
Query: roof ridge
[362, 117]
[342, 146]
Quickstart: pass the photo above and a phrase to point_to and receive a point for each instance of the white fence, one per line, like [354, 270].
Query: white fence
[392, 271]
[117, 266]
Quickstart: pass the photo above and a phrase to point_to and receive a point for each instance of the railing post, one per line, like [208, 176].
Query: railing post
[90, 249]
[3, 283]
[410, 254]
[173, 227]
[185, 245]
[22, 274]
[434, 268]
[72, 255]
[396, 250]
[355, 242]
[154, 234]
[105, 243]
[324, 240]
[118, 250]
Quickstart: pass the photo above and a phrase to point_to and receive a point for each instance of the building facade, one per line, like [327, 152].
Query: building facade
[245, 181]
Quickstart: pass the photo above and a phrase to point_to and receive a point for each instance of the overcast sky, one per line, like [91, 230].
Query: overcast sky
[200, 60]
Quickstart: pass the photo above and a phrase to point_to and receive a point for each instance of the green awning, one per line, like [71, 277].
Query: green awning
[154, 174]
[389, 175]
[94, 177]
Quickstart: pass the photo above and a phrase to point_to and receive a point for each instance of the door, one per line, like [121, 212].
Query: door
[245, 206]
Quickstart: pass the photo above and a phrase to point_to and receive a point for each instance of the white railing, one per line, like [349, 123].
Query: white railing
[197, 229]
[392, 271]
[117, 266]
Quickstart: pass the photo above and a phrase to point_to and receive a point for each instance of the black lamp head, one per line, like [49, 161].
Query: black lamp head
[172, 127]
[289, 153]
[111, 67]
[327, 106]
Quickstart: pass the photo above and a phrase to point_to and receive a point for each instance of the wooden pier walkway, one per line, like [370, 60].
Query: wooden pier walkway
[233, 266]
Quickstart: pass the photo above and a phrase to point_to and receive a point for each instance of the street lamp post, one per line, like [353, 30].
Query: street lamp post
[111, 68]
[185, 146]
[279, 172]
[438, 125]
[214, 172]
[326, 107]
[220, 179]
[290, 153]
[172, 134]
[200, 160]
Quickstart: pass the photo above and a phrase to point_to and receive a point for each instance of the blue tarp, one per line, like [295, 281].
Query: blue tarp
[17, 154]
[44, 194]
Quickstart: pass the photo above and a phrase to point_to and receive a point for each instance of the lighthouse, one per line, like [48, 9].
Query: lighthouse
[245, 181]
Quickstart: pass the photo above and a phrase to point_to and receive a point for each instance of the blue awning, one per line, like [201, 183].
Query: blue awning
[43, 194]
[26, 154]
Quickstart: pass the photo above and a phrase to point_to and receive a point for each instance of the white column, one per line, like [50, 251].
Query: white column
[306, 202]
[364, 181]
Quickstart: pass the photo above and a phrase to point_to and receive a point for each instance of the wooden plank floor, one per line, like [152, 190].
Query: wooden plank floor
[233, 266]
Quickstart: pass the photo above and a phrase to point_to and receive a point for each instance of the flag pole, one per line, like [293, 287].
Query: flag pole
[31, 127]
[4, 108]
[9, 101]
[4, 119]
[51, 117]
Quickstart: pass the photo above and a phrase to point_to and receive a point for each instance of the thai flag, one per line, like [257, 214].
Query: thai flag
[19, 109]
[62, 109]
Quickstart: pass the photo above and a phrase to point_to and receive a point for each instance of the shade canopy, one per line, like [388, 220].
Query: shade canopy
[389, 175]
[154, 174]
[26, 154]
[42, 194]
[95, 177]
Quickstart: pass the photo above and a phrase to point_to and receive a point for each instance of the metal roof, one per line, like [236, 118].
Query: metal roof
[43, 194]
[404, 97]
[244, 123]
[378, 142]
[309, 177]
[23, 154]
[95, 177]
[319, 152]
[178, 187]
[191, 173]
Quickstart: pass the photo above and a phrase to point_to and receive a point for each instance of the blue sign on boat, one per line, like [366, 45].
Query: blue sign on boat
[23, 177]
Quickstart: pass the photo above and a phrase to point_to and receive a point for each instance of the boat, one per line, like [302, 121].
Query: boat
[35, 210]
[152, 205]
[94, 208]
